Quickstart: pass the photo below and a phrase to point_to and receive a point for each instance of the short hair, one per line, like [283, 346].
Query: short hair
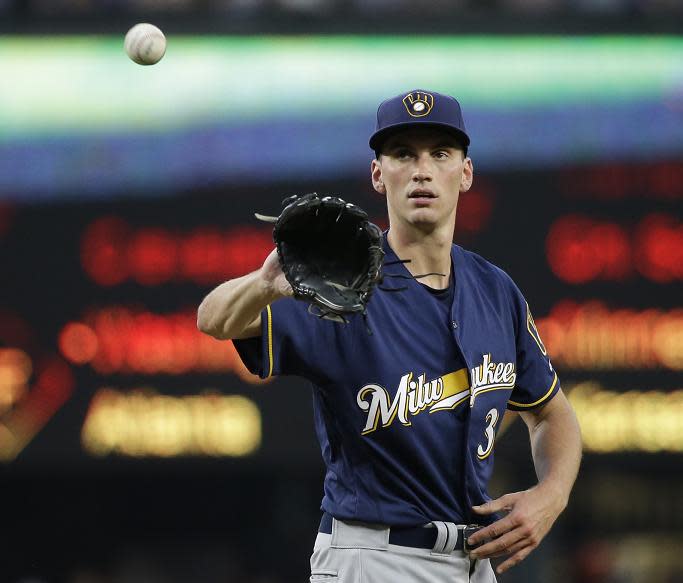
[459, 144]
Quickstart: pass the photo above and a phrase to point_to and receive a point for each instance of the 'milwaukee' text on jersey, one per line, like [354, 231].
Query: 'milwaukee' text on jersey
[407, 415]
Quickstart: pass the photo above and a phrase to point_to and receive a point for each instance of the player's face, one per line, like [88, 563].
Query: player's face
[422, 172]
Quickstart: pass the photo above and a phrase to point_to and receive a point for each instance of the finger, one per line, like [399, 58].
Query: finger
[495, 530]
[518, 546]
[503, 503]
[518, 557]
[499, 545]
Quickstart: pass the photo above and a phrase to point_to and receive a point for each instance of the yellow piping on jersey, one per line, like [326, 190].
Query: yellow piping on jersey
[534, 333]
[543, 398]
[270, 341]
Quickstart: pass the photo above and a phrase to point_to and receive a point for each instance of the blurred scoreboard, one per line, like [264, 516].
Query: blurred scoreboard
[100, 358]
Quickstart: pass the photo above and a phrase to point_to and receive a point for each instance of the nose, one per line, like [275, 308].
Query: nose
[422, 172]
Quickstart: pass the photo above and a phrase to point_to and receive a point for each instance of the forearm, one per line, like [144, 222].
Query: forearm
[556, 448]
[232, 306]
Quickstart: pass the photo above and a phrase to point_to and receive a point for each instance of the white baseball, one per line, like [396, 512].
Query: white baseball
[145, 44]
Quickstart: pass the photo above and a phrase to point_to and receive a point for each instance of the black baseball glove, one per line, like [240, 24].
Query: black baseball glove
[330, 253]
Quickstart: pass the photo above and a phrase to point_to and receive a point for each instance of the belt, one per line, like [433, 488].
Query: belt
[421, 537]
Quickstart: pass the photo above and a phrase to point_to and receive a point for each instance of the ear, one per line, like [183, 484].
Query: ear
[467, 175]
[376, 175]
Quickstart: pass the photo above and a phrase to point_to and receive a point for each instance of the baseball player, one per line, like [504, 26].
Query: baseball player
[407, 415]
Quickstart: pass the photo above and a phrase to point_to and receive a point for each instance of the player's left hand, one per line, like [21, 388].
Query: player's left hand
[531, 513]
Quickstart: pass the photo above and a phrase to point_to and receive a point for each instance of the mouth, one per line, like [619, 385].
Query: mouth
[421, 194]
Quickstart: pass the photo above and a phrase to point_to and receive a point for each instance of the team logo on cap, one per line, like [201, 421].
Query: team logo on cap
[418, 103]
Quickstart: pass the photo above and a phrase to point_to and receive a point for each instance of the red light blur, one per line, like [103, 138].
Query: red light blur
[580, 249]
[152, 256]
[659, 248]
[130, 341]
[102, 251]
[112, 252]
[662, 180]
[474, 211]
[201, 255]
[54, 382]
[77, 343]
[53, 386]
[591, 336]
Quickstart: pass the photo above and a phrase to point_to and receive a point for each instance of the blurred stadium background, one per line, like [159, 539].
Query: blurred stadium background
[132, 449]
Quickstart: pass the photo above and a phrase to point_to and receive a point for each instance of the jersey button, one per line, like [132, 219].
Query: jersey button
[454, 324]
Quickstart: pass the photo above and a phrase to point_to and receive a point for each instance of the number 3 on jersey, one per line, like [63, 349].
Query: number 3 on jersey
[489, 432]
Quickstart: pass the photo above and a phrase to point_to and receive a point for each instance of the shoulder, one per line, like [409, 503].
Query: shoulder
[490, 281]
[476, 266]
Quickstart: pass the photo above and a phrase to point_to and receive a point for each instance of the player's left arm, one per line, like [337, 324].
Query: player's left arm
[556, 448]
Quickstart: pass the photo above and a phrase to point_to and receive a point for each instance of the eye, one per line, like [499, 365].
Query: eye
[441, 154]
[403, 153]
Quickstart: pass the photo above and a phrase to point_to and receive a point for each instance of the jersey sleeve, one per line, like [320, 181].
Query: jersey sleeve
[291, 342]
[537, 382]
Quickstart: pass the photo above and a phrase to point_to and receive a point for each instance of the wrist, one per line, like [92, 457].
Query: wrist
[554, 492]
[268, 288]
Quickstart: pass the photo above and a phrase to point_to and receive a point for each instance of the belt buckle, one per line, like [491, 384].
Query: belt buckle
[468, 531]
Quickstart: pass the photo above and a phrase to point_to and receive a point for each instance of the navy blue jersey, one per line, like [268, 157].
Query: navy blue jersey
[407, 415]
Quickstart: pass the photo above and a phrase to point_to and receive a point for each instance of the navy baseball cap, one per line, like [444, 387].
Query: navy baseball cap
[418, 107]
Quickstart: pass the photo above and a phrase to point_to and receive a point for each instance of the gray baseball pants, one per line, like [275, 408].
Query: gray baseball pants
[361, 553]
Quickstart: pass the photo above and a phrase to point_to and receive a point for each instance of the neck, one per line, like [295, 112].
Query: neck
[429, 252]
